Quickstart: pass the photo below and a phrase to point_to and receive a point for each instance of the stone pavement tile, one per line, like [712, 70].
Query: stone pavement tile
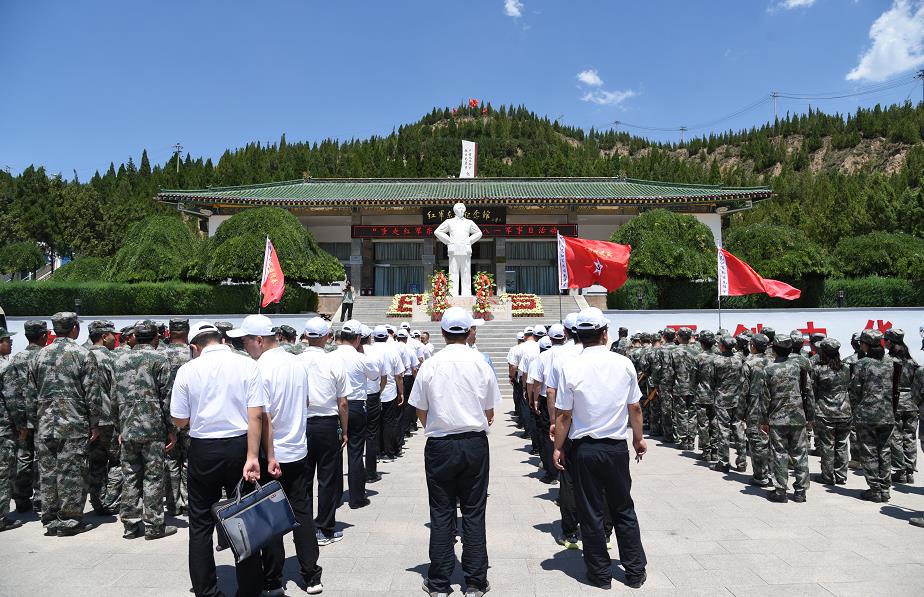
[784, 533]
[795, 590]
[895, 588]
[713, 578]
[768, 546]
[737, 561]
[834, 557]
[899, 554]
[358, 581]
[698, 534]
[810, 573]
[673, 546]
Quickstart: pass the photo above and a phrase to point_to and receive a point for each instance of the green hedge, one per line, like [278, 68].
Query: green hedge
[167, 298]
[626, 298]
[82, 269]
[873, 292]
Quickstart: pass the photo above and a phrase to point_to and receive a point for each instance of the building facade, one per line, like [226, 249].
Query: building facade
[382, 229]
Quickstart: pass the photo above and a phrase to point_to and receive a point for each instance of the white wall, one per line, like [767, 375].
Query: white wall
[328, 229]
[714, 221]
[838, 323]
[215, 222]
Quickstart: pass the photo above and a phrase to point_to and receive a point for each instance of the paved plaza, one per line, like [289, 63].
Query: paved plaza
[704, 535]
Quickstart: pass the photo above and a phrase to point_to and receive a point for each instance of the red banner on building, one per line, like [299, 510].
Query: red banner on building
[487, 230]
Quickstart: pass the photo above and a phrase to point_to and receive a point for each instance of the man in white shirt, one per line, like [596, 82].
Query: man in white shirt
[455, 395]
[373, 406]
[528, 352]
[392, 396]
[428, 347]
[512, 358]
[597, 401]
[411, 364]
[358, 370]
[328, 414]
[417, 345]
[286, 384]
[536, 378]
[220, 395]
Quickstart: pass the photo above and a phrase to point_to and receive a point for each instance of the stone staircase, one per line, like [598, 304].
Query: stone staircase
[494, 338]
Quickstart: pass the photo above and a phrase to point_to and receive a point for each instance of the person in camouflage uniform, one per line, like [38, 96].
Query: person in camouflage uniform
[235, 343]
[126, 341]
[815, 339]
[683, 364]
[704, 398]
[758, 438]
[65, 407]
[177, 353]
[646, 385]
[727, 372]
[831, 383]
[26, 491]
[142, 397]
[851, 362]
[621, 345]
[102, 458]
[288, 339]
[635, 354]
[662, 377]
[743, 349]
[12, 427]
[873, 398]
[785, 412]
[904, 443]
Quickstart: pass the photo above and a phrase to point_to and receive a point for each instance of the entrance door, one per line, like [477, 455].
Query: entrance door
[532, 267]
[398, 279]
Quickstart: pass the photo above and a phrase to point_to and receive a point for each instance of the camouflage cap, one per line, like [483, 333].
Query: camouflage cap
[783, 341]
[6, 334]
[128, 330]
[721, 332]
[162, 329]
[288, 332]
[816, 337]
[797, 337]
[685, 332]
[179, 325]
[871, 337]
[729, 341]
[668, 333]
[224, 326]
[760, 341]
[636, 337]
[707, 336]
[101, 326]
[35, 327]
[829, 346]
[645, 337]
[146, 330]
[894, 335]
[768, 331]
[64, 320]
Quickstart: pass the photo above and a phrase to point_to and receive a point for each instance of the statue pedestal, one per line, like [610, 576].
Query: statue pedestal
[499, 312]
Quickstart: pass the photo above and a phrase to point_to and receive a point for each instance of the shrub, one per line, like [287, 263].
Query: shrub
[668, 245]
[158, 248]
[626, 298]
[83, 269]
[873, 291]
[881, 254]
[167, 298]
[779, 252]
[21, 257]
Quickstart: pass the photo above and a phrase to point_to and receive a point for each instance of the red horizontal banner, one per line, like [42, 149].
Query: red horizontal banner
[490, 230]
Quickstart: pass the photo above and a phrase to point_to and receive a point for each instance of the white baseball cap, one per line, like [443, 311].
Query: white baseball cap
[380, 331]
[415, 334]
[539, 331]
[201, 327]
[389, 327]
[253, 325]
[545, 343]
[405, 326]
[352, 327]
[521, 336]
[402, 333]
[457, 320]
[317, 327]
[367, 331]
[590, 318]
[528, 329]
[570, 320]
[557, 331]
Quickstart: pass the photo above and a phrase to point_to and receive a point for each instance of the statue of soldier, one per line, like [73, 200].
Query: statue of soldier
[459, 234]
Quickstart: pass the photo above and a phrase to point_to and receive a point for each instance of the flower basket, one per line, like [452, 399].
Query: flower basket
[402, 305]
[483, 283]
[439, 295]
[524, 305]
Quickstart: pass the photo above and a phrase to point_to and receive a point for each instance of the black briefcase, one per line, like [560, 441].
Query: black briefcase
[248, 523]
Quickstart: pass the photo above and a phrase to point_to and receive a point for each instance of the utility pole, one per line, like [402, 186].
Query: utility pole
[177, 149]
[774, 95]
[920, 75]
[683, 129]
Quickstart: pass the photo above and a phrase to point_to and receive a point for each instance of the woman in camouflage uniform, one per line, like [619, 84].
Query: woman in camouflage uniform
[831, 381]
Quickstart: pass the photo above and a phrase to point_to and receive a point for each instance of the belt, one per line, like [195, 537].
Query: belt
[455, 436]
[216, 439]
[375, 395]
[319, 417]
[603, 440]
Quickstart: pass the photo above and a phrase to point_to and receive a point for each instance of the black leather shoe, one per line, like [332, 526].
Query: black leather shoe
[636, 582]
[871, 495]
[799, 497]
[361, 504]
[82, 527]
[824, 480]
[777, 497]
[23, 506]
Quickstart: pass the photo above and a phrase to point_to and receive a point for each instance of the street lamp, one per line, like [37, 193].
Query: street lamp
[840, 298]
[638, 297]
[77, 306]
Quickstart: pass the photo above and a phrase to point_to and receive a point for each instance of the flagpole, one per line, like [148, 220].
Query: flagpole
[718, 282]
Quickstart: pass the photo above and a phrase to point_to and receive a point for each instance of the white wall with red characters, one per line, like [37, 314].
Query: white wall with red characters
[838, 323]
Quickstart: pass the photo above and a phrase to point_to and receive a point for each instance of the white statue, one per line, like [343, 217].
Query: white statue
[459, 234]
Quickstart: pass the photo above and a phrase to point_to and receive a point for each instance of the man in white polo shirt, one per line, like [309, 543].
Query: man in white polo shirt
[328, 422]
[220, 395]
[392, 395]
[597, 401]
[358, 370]
[455, 395]
[286, 384]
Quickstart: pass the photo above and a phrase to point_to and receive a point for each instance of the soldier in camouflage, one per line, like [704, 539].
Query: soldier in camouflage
[743, 349]
[851, 362]
[142, 397]
[12, 427]
[644, 358]
[662, 377]
[102, 458]
[815, 339]
[26, 491]
[758, 438]
[65, 409]
[683, 363]
[770, 333]
[177, 353]
[831, 383]
[288, 339]
[727, 372]
[126, 341]
[904, 443]
[621, 345]
[704, 398]
[873, 398]
[785, 411]
[235, 343]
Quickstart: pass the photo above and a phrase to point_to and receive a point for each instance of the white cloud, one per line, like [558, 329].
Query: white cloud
[897, 43]
[590, 77]
[513, 8]
[607, 98]
[791, 4]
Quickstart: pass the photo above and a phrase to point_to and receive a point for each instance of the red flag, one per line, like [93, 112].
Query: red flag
[583, 263]
[737, 278]
[273, 283]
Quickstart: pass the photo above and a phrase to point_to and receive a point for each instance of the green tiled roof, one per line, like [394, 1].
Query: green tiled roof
[348, 192]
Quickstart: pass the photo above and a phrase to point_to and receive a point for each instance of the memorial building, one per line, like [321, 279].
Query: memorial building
[382, 229]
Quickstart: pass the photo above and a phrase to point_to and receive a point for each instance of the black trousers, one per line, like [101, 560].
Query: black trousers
[408, 413]
[517, 400]
[567, 506]
[325, 458]
[215, 464]
[356, 469]
[600, 469]
[391, 435]
[546, 445]
[295, 482]
[346, 311]
[373, 432]
[457, 468]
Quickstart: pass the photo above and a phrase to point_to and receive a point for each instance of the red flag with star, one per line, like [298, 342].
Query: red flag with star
[273, 283]
[737, 278]
[583, 263]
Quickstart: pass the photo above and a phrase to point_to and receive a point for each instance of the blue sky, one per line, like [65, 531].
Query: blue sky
[86, 83]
